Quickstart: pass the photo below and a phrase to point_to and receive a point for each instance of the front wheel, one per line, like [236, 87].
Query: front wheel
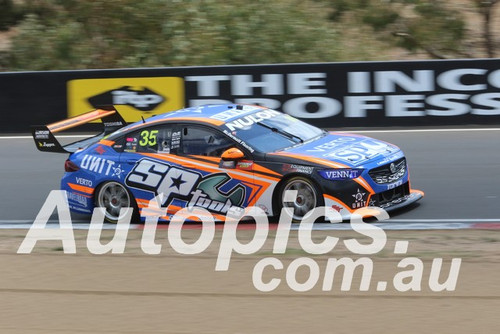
[113, 196]
[308, 197]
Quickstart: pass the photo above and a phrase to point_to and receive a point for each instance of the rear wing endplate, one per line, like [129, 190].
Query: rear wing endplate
[44, 137]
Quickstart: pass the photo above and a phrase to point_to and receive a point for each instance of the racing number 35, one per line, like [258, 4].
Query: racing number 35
[148, 138]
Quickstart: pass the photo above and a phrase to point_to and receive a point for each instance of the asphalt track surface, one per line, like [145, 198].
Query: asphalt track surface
[457, 169]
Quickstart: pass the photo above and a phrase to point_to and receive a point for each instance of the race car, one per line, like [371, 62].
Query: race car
[219, 157]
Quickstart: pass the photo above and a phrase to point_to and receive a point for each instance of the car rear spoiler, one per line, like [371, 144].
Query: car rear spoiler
[46, 141]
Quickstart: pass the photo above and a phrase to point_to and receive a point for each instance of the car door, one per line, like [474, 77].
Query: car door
[182, 163]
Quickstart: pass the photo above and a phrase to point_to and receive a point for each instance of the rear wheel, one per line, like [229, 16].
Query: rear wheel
[308, 197]
[113, 196]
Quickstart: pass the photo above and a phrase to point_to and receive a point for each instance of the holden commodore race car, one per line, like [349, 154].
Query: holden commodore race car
[222, 156]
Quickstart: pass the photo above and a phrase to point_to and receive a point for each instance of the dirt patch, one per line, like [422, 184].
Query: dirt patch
[52, 292]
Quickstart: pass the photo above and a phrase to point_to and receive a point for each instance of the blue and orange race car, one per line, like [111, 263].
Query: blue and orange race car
[222, 156]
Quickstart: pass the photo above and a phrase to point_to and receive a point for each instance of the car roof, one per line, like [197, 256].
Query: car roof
[210, 114]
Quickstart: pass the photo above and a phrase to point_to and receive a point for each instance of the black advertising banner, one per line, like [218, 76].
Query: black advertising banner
[329, 95]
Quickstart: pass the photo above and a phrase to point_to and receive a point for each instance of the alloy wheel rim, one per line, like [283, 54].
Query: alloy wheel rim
[305, 200]
[113, 197]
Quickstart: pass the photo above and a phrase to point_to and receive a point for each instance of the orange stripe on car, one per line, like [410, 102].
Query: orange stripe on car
[83, 189]
[207, 167]
[106, 142]
[79, 120]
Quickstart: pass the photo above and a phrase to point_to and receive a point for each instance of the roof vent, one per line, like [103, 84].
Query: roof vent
[239, 107]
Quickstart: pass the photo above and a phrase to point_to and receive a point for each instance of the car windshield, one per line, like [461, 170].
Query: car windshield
[278, 132]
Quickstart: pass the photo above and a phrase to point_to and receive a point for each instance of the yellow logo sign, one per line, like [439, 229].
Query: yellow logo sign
[135, 97]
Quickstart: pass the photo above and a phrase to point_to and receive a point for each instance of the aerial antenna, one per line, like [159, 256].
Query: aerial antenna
[143, 121]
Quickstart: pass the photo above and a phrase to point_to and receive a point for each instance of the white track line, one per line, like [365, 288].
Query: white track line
[396, 224]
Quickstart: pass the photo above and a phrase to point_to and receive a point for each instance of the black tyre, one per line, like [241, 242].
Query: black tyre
[113, 196]
[308, 197]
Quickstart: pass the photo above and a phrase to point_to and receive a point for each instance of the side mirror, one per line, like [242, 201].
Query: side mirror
[232, 154]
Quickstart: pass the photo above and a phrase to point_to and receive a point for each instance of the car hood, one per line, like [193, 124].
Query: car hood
[348, 149]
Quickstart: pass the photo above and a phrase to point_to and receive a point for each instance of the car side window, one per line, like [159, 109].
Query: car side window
[155, 139]
[203, 141]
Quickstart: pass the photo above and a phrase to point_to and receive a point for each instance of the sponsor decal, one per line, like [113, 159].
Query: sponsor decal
[359, 199]
[246, 121]
[209, 195]
[112, 124]
[331, 144]
[353, 150]
[101, 166]
[45, 144]
[394, 185]
[238, 140]
[42, 134]
[361, 151]
[341, 174]
[99, 149]
[176, 140]
[130, 144]
[136, 96]
[228, 164]
[291, 168]
[82, 200]
[397, 175]
[84, 182]
[245, 165]
[172, 182]
[336, 208]
[117, 171]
